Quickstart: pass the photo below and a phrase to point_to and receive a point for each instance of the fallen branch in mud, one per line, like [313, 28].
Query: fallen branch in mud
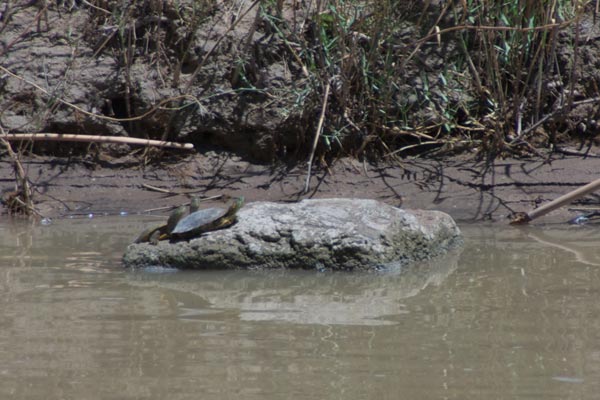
[520, 218]
[157, 189]
[64, 137]
[178, 192]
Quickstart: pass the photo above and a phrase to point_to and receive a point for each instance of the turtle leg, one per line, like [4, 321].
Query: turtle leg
[155, 237]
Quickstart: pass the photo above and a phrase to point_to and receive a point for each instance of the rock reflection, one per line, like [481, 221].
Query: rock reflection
[302, 297]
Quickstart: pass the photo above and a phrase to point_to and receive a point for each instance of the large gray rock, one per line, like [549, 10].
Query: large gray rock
[343, 234]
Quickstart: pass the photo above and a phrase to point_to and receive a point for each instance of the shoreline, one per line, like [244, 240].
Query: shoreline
[466, 189]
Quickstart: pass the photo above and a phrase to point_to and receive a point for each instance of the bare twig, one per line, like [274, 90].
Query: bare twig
[23, 194]
[179, 192]
[557, 111]
[65, 137]
[171, 207]
[198, 68]
[96, 7]
[497, 29]
[216, 45]
[436, 34]
[36, 20]
[157, 189]
[317, 135]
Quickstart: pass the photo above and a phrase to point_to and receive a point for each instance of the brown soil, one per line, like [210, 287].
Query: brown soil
[466, 189]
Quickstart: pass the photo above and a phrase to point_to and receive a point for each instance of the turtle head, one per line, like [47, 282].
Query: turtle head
[238, 203]
[175, 216]
[194, 204]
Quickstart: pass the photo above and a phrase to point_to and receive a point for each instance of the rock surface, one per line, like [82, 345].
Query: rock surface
[344, 234]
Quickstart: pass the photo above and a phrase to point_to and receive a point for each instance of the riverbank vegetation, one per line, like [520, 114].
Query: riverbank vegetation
[411, 77]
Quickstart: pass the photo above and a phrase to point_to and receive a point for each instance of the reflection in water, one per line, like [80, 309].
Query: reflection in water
[582, 243]
[304, 296]
[513, 316]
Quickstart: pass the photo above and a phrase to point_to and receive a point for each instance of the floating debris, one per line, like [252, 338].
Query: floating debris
[583, 219]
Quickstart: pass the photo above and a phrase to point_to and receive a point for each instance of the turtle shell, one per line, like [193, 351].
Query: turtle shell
[199, 221]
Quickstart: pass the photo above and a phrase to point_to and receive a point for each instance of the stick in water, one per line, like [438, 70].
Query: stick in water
[523, 218]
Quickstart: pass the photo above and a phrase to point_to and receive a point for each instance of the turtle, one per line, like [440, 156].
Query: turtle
[206, 220]
[161, 232]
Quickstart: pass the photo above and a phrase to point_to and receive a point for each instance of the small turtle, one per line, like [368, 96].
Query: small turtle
[150, 235]
[194, 204]
[176, 216]
[206, 220]
[161, 232]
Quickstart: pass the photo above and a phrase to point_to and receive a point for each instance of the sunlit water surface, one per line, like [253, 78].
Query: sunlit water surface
[515, 315]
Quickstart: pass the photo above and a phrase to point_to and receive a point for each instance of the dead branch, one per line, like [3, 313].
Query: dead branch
[219, 196]
[22, 198]
[523, 218]
[64, 137]
[317, 135]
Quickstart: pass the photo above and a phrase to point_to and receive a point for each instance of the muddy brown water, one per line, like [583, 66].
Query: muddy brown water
[516, 314]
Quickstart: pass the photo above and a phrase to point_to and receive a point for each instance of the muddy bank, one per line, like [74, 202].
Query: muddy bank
[252, 78]
[464, 188]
